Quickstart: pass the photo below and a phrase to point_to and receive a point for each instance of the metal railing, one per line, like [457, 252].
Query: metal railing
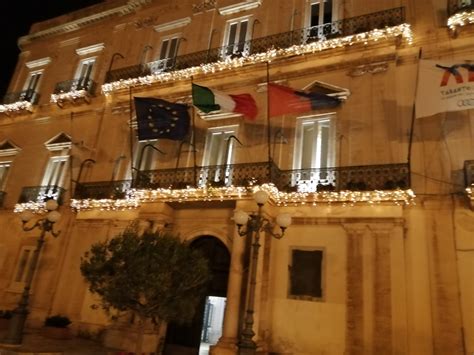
[340, 28]
[41, 194]
[26, 95]
[102, 190]
[457, 6]
[469, 172]
[356, 178]
[74, 85]
[2, 197]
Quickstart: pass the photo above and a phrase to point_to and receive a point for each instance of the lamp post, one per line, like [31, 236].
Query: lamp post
[45, 224]
[254, 224]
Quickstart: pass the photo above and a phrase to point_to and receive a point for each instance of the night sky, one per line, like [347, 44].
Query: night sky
[16, 17]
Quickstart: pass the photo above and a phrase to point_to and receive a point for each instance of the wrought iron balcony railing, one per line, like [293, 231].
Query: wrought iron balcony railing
[41, 194]
[457, 6]
[356, 178]
[469, 172]
[75, 85]
[102, 190]
[341, 28]
[26, 95]
[2, 197]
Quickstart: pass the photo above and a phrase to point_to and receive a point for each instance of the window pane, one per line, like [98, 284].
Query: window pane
[3, 175]
[314, 21]
[307, 146]
[232, 33]
[173, 47]
[324, 147]
[164, 49]
[306, 273]
[327, 16]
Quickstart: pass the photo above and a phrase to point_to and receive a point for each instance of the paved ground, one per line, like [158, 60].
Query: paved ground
[35, 343]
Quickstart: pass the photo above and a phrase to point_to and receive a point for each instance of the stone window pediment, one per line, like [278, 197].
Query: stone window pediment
[239, 7]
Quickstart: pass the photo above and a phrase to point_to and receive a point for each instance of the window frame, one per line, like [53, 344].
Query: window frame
[83, 82]
[166, 61]
[323, 266]
[235, 45]
[59, 156]
[5, 169]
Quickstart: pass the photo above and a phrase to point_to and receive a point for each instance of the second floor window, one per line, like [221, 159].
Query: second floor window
[168, 53]
[56, 170]
[314, 151]
[4, 168]
[237, 37]
[84, 74]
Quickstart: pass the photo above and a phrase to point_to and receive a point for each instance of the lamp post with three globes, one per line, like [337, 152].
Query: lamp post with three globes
[45, 224]
[254, 224]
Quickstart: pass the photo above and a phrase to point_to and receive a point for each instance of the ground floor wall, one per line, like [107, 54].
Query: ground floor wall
[394, 279]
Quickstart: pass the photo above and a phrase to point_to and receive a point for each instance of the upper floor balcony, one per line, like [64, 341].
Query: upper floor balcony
[371, 183]
[330, 35]
[75, 90]
[38, 195]
[18, 102]
[460, 13]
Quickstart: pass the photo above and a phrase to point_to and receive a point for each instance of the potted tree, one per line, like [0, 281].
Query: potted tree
[5, 317]
[155, 277]
[56, 327]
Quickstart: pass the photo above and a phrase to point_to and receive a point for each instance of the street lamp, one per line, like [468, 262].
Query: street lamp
[45, 224]
[254, 224]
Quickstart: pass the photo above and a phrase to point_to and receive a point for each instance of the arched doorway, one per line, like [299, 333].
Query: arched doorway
[186, 339]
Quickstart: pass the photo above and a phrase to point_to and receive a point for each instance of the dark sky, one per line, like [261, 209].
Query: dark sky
[16, 17]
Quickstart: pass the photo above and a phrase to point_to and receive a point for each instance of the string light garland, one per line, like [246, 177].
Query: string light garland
[469, 191]
[68, 96]
[35, 207]
[16, 107]
[461, 19]
[136, 197]
[404, 31]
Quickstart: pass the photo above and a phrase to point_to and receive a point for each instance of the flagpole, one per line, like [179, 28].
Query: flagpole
[413, 113]
[268, 124]
[131, 135]
[194, 137]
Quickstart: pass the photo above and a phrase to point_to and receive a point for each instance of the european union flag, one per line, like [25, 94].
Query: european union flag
[159, 118]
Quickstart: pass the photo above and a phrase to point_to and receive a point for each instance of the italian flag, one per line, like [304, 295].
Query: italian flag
[208, 100]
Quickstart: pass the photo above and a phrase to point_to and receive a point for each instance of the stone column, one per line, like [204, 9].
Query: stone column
[227, 344]
[354, 289]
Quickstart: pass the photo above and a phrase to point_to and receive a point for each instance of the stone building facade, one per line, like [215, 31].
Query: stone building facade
[379, 258]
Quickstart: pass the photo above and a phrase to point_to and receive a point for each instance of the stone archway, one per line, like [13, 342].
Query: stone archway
[185, 339]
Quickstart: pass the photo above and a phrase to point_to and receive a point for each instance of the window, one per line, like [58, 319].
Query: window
[218, 154]
[145, 158]
[8, 150]
[21, 273]
[168, 52]
[83, 75]
[56, 171]
[321, 14]
[237, 37]
[306, 274]
[31, 86]
[4, 168]
[314, 151]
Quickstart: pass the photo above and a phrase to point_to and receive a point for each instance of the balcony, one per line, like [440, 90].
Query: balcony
[76, 90]
[336, 29]
[19, 102]
[353, 178]
[40, 194]
[102, 190]
[460, 13]
[469, 180]
[2, 198]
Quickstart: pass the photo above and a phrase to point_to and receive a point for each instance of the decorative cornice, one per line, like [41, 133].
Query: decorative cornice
[241, 6]
[172, 24]
[38, 63]
[90, 49]
[130, 7]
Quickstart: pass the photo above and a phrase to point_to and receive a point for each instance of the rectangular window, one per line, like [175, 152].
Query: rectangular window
[84, 74]
[218, 154]
[168, 53]
[56, 171]
[306, 274]
[237, 37]
[4, 168]
[30, 89]
[321, 15]
[314, 151]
